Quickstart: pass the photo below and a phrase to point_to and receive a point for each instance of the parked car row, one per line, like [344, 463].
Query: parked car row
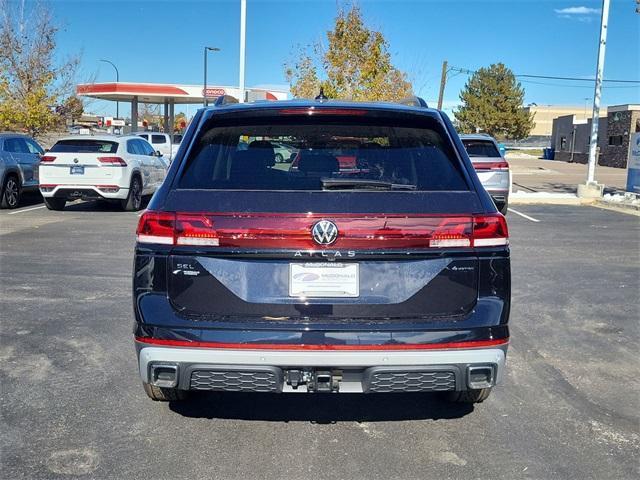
[119, 169]
[19, 160]
[125, 168]
[491, 167]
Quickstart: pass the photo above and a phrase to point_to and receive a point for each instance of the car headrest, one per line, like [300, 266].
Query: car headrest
[266, 147]
[249, 162]
[318, 163]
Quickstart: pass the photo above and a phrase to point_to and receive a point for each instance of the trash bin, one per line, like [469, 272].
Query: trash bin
[551, 153]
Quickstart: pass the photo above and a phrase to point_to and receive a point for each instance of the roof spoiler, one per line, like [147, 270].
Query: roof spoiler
[414, 101]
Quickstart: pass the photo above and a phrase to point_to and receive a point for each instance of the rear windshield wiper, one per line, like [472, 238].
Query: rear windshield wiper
[363, 183]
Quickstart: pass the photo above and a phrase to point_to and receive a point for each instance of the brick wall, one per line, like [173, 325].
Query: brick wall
[564, 156]
[620, 124]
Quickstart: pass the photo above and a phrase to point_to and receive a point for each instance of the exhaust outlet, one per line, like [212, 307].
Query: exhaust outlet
[480, 377]
[163, 375]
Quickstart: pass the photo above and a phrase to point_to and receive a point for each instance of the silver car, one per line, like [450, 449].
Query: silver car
[19, 160]
[491, 167]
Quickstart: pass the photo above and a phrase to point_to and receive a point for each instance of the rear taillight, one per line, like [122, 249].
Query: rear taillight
[501, 165]
[490, 230]
[196, 229]
[291, 231]
[108, 188]
[156, 227]
[47, 158]
[114, 161]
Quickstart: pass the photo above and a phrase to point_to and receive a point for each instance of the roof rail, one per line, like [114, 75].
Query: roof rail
[225, 100]
[414, 101]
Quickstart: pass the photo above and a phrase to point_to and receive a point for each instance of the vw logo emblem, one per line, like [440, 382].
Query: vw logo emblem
[75, 160]
[324, 232]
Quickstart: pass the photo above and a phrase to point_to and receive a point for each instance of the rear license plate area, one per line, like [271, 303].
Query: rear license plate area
[76, 170]
[324, 280]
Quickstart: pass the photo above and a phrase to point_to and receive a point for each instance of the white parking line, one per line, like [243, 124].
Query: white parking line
[26, 210]
[523, 215]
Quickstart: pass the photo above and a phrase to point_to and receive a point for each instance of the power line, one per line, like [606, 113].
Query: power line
[550, 77]
[575, 86]
[577, 79]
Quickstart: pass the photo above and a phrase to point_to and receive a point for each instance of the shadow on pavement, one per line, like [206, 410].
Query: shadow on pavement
[30, 199]
[559, 187]
[320, 408]
[99, 206]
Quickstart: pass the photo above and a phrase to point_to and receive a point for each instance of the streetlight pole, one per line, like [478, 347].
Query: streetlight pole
[117, 81]
[204, 88]
[591, 188]
[243, 36]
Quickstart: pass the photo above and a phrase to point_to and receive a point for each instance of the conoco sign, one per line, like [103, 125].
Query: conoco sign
[213, 92]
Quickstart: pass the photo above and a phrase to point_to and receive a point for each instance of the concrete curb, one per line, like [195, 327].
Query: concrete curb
[545, 198]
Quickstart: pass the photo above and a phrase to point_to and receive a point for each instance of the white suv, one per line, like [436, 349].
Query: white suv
[163, 142]
[106, 167]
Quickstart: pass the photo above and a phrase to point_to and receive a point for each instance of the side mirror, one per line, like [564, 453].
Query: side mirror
[158, 153]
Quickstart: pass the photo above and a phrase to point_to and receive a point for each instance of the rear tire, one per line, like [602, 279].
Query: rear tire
[11, 192]
[470, 396]
[503, 209]
[55, 203]
[133, 201]
[279, 158]
[160, 394]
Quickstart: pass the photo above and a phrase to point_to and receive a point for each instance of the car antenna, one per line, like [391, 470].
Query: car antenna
[321, 96]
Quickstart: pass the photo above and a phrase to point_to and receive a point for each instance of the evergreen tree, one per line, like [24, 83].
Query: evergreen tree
[492, 103]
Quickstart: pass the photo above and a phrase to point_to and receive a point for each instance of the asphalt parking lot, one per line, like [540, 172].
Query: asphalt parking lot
[72, 404]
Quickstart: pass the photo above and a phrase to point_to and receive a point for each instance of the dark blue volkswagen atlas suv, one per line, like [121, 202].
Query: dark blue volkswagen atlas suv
[371, 260]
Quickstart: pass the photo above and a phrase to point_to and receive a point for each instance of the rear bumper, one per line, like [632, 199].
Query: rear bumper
[72, 192]
[354, 371]
[499, 195]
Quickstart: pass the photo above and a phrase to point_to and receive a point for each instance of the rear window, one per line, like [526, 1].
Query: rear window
[85, 146]
[158, 139]
[481, 148]
[327, 153]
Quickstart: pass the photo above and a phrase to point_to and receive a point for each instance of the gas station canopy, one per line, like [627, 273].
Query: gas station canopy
[168, 95]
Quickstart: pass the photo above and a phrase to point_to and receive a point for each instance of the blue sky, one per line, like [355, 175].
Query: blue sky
[161, 41]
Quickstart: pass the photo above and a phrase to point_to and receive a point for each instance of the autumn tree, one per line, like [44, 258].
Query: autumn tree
[177, 121]
[72, 108]
[32, 82]
[492, 103]
[356, 65]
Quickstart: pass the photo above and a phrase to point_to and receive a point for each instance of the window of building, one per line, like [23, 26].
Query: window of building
[615, 140]
[563, 143]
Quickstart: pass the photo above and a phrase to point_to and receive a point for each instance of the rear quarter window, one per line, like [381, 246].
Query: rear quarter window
[16, 145]
[481, 148]
[85, 146]
[155, 139]
[331, 152]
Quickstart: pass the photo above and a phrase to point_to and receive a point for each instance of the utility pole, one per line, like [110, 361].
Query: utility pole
[243, 34]
[591, 188]
[443, 82]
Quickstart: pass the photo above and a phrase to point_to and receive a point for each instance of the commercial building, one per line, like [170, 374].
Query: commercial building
[571, 136]
[544, 115]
